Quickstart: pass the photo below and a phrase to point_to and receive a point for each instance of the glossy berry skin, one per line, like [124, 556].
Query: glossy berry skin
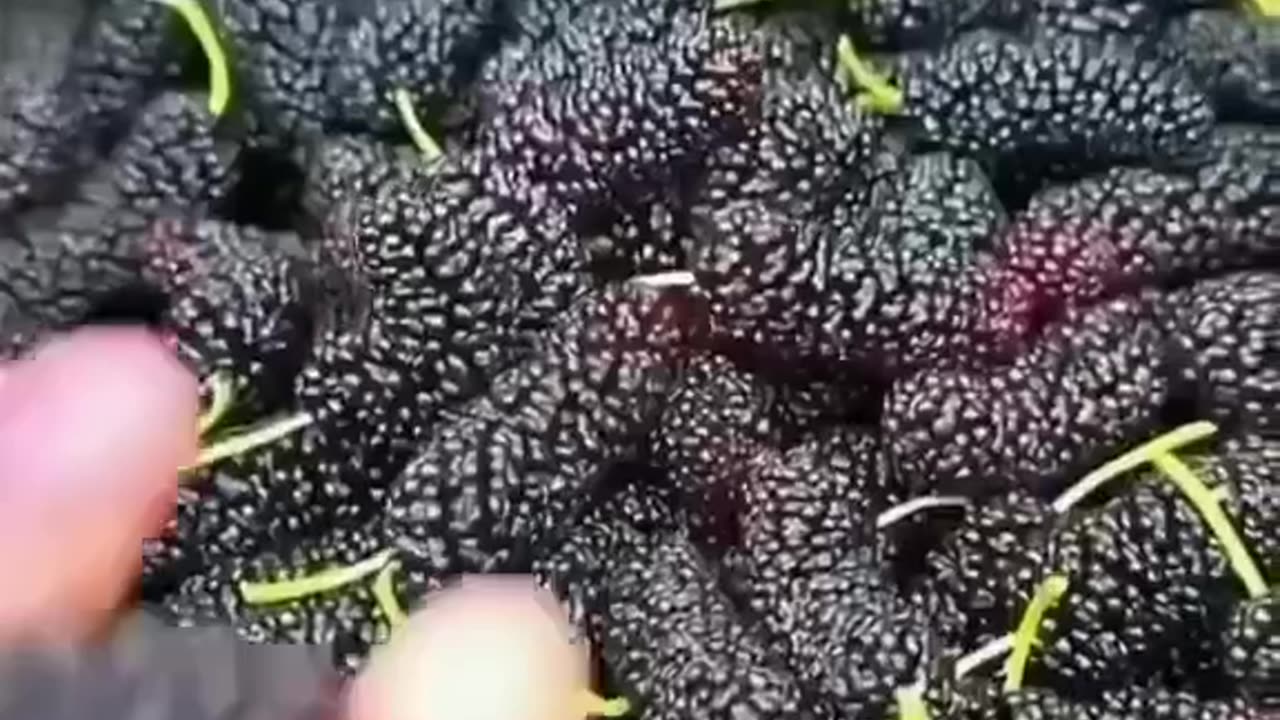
[1063, 243]
[431, 49]
[1133, 602]
[1096, 378]
[1227, 53]
[1129, 228]
[891, 281]
[803, 509]
[990, 94]
[653, 106]
[675, 641]
[905, 24]
[1158, 704]
[813, 571]
[414, 329]
[309, 68]
[1225, 336]
[581, 401]
[489, 489]
[910, 284]
[239, 301]
[123, 54]
[714, 423]
[1252, 651]
[84, 259]
[1067, 403]
[574, 566]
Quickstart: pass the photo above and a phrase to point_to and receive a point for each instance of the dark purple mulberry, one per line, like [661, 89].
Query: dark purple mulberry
[1090, 384]
[991, 94]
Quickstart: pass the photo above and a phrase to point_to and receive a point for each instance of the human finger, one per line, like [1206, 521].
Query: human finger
[490, 648]
[93, 429]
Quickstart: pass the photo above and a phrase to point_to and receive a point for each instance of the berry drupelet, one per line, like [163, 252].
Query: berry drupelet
[618, 130]
[1150, 586]
[1251, 648]
[1231, 56]
[574, 566]
[239, 302]
[432, 48]
[69, 263]
[519, 464]
[675, 645]
[1088, 385]
[993, 95]
[714, 422]
[910, 283]
[123, 53]
[1131, 704]
[1223, 336]
[499, 482]
[1129, 228]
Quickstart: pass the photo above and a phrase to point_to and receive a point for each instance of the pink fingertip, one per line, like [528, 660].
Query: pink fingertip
[99, 414]
[93, 429]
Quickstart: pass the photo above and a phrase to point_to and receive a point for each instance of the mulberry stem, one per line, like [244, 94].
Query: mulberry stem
[1046, 596]
[219, 72]
[426, 144]
[1141, 455]
[278, 591]
[1206, 503]
[222, 388]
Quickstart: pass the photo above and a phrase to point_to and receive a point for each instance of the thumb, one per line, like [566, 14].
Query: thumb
[491, 648]
[93, 429]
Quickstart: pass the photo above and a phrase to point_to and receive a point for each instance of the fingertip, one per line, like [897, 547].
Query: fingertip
[93, 429]
[111, 410]
[489, 648]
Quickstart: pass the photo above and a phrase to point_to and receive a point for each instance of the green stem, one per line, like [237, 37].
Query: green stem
[911, 704]
[384, 594]
[222, 386]
[263, 434]
[426, 144]
[1141, 455]
[1266, 9]
[879, 94]
[1045, 597]
[1206, 503]
[593, 705]
[219, 71]
[278, 591]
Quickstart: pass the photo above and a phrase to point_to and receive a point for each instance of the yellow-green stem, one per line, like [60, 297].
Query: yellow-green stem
[1204, 500]
[911, 704]
[222, 388]
[278, 591]
[427, 145]
[384, 593]
[879, 94]
[1267, 9]
[593, 705]
[1141, 455]
[207, 35]
[1045, 597]
[262, 434]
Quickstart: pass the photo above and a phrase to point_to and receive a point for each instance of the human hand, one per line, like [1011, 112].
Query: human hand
[492, 647]
[93, 429]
